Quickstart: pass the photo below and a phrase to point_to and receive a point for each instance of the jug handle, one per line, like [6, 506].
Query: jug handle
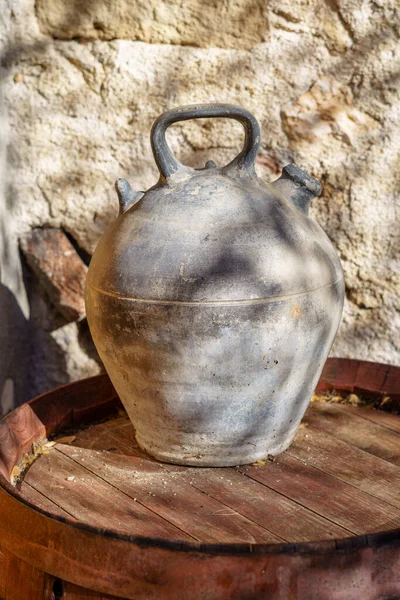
[168, 165]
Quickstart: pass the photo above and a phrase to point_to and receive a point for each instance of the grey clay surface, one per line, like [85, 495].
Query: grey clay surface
[213, 301]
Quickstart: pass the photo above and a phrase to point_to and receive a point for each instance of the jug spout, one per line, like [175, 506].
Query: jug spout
[298, 187]
[127, 197]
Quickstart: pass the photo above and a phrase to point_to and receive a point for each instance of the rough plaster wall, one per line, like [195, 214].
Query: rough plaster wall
[14, 308]
[321, 77]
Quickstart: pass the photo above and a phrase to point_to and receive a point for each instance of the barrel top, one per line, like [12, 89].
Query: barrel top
[343, 455]
[336, 488]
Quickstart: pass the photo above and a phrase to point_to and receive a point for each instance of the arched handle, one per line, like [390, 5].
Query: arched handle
[168, 164]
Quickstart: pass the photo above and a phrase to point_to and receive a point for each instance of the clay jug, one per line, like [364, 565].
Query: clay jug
[213, 301]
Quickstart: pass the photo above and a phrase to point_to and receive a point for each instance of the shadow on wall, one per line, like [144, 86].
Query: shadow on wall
[16, 326]
[13, 306]
[34, 338]
[14, 357]
[25, 346]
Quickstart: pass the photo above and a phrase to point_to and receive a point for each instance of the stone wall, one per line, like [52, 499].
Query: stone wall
[81, 84]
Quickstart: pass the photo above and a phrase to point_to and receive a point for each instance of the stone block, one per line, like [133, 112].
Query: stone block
[205, 24]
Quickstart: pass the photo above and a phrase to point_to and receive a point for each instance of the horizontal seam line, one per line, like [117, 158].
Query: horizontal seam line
[212, 302]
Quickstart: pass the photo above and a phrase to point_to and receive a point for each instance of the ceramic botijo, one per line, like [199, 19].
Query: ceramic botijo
[213, 301]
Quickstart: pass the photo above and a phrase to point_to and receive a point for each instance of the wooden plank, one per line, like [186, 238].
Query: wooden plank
[2, 572]
[380, 479]
[70, 405]
[338, 374]
[349, 464]
[38, 500]
[325, 495]
[76, 404]
[377, 479]
[18, 579]
[283, 517]
[380, 417]
[105, 436]
[357, 431]
[371, 379]
[17, 433]
[91, 500]
[163, 490]
[391, 386]
[9, 451]
[286, 518]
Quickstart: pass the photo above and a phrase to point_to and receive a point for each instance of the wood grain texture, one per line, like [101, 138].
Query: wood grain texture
[19, 580]
[380, 417]
[348, 463]
[368, 379]
[141, 571]
[75, 405]
[75, 517]
[321, 488]
[33, 497]
[338, 374]
[285, 519]
[355, 431]
[59, 268]
[343, 504]
[92, 500]
[17, 433]
[292, 521]
[168, 494]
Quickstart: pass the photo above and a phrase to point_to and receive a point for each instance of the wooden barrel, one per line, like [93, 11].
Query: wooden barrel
[95, 517]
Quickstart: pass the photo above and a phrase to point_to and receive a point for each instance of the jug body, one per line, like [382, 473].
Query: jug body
[213, 301]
